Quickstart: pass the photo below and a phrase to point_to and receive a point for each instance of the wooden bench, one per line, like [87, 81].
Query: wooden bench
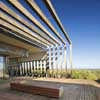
[41, 88]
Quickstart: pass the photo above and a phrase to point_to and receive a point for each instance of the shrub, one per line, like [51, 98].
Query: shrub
[84, 74]
[91, 76]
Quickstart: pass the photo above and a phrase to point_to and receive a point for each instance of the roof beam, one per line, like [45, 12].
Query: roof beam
[23, 28]
[18, 38]
[37, 9]
[19, 32]
[24, 11]
[24, 22]
[55, 16]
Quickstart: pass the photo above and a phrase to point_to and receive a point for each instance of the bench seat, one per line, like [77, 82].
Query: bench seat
[41, 88]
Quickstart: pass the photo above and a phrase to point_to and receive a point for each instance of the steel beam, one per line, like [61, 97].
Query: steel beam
[37, 9]
[24, 11]
[24, 22]
[55, 16]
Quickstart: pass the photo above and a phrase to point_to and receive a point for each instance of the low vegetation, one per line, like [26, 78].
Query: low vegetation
[77, 74]
[86, 74]
[93, 74]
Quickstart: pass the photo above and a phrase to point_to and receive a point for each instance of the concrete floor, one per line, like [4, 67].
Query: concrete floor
[71, 92]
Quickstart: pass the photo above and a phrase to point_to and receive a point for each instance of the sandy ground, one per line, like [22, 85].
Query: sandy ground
[73, 90]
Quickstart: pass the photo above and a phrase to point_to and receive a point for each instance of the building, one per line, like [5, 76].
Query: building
[26, 44]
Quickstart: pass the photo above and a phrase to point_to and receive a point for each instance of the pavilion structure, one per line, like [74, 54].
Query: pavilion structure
[30, 43]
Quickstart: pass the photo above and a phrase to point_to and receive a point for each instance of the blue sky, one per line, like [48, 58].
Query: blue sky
[81, 18]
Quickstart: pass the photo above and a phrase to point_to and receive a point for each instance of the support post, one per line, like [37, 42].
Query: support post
[4, 66]
[71, 65]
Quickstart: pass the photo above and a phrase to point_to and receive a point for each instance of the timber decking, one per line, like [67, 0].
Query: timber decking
[71, 92]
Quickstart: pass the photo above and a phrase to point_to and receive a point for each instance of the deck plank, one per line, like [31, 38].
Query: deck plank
[71, 92]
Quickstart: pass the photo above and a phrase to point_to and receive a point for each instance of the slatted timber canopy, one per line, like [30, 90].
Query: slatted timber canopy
[19, 26]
